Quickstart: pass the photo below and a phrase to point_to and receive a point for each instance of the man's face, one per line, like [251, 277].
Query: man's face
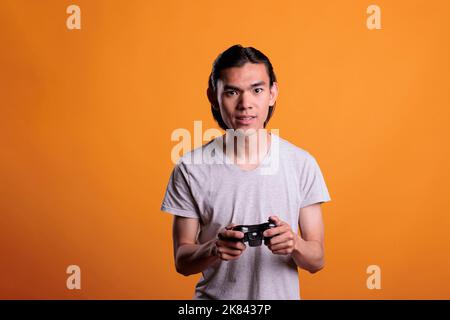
[244, 96]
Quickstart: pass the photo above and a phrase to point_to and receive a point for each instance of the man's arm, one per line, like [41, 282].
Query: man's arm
[190, 257]
[308, 251]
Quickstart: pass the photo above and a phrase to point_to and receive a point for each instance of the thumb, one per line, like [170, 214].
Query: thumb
[230, 226]
[275, 220]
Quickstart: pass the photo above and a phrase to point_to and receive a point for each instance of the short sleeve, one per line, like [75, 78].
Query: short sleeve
[178, 199]
[313, 187]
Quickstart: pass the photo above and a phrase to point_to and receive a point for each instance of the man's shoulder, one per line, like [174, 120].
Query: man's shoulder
[203, 155]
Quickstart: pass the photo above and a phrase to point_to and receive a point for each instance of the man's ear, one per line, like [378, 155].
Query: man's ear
[212, 98]
[273, 94]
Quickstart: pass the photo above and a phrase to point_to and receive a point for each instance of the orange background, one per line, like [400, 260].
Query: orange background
[86, 119]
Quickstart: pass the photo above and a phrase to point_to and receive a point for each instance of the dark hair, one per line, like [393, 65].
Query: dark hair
[237, 56]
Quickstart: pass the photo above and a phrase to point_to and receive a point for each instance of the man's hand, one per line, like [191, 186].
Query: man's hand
[284, 239]
[228, 246]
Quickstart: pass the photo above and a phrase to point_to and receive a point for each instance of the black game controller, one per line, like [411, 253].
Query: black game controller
[253, 234]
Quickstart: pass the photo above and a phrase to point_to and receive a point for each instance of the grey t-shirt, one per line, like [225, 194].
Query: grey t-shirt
[219, 193]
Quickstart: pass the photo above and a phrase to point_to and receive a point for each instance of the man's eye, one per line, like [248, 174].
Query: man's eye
[230, 93]
[258, 90]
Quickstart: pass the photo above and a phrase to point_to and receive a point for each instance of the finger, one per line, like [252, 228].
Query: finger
[233, 234]
[223, 232]
[236, 245]
[276, 231]
[276, 220]
[229, 251]
[230, 226]
[229, 234]
[227, 257]
[239, 245]
[227, 254]
[283, 251]
[284, 237]
[281, 246]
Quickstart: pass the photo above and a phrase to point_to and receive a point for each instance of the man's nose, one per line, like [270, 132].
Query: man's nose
[246, 101]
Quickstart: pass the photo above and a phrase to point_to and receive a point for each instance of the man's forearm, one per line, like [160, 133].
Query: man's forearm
[308, 255]
[194, 258]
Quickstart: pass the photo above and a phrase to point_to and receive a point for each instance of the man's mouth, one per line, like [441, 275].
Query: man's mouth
[246, 118]
[243, 120]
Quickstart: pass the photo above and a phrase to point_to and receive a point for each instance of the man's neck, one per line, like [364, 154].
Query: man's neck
[247, 150]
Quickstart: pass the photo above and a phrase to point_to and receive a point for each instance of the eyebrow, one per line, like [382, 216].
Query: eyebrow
[231, 87]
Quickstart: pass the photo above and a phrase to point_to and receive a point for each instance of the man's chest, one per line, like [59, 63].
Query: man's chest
[247, 198]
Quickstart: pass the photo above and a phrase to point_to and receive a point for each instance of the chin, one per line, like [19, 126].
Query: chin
[246, 130]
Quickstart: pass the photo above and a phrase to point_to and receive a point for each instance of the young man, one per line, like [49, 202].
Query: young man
[208, 198]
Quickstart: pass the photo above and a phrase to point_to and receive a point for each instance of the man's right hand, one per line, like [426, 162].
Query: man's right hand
[229, 246]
